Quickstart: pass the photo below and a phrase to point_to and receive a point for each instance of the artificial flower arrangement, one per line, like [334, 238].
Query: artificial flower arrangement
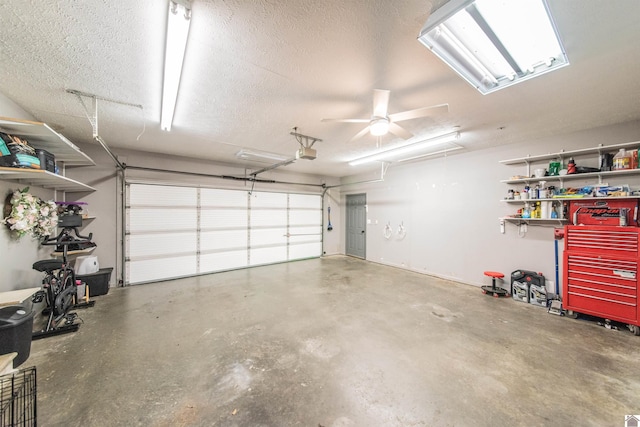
[26, 214]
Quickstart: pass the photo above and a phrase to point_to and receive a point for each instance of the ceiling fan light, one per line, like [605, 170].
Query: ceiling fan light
[379, 127]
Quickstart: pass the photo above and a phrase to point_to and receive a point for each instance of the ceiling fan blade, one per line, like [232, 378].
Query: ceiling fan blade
[380, 102]
[360, 134]
[346, 120]
[419, 112]
[399, 131]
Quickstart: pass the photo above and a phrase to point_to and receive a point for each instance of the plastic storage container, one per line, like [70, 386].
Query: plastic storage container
[98, 283]
[538, 295]
[521, 283]
[16, 326]
[520, 291]
[86, 264]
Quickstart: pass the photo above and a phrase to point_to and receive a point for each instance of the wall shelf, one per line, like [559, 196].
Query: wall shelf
[572, 153]
[574, 176]
[42, 136]
[42, 178]
[536, 221]
[554, 199]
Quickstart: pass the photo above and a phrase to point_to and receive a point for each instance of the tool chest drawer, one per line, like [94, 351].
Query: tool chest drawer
[601, 272]
[600, 239]
[602, 286]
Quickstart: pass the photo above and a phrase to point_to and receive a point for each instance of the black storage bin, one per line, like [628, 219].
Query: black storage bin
[16, 326]
[47, 160]
[98, 282]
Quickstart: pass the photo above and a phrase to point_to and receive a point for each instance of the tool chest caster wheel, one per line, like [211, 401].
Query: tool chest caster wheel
[635, 329]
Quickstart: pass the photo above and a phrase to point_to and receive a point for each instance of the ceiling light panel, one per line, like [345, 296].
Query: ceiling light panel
[495, 43]
[178, 23]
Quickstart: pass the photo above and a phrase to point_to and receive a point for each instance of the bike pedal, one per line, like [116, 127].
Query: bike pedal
[38, 297]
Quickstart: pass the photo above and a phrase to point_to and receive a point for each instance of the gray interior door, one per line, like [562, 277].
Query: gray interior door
[356, 225]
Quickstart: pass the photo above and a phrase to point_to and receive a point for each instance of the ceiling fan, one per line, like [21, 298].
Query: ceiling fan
[381, 123]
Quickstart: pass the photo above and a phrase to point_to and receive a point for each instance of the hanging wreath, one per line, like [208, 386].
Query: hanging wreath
[26, 214]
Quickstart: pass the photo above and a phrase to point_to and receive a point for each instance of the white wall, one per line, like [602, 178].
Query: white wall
[450, 208]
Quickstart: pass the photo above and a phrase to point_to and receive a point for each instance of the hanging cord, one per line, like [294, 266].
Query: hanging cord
[144, 124]
[521, 230]
[388, 231]
[402, 232]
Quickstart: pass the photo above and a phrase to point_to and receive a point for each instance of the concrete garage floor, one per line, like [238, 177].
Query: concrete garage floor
[331, 342]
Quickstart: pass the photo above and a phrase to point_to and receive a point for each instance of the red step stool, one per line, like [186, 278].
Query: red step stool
[493, 289]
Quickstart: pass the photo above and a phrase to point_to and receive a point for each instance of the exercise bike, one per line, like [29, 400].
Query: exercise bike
[59, 289]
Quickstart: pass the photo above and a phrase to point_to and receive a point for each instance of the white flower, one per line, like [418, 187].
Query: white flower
[30, 215]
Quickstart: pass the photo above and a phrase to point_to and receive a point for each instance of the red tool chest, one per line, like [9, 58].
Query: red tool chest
[601, 272]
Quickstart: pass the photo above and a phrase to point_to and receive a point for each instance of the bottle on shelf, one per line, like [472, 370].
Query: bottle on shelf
[571, 167]
[622, 160]
[536, 211]
[526, 212]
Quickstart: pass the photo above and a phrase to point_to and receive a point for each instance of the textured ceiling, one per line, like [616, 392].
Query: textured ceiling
[256, 69]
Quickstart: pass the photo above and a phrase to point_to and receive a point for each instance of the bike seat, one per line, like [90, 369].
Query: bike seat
[47, 265]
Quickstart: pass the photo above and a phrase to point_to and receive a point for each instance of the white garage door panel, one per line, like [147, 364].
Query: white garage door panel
[167, 219]
[304, 235]
[223, 239]
[146, 245]
[221, 261]
[311, 229]
[161, 269]
[308, 250]
[268, 218]
[270, 236]
[305, 217]
[223, 198]
[272, 255]
[211, 218]
[268, 200]
[304, 201]
[159, 195]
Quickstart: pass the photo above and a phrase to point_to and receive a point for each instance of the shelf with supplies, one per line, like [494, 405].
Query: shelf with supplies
[554, 178]
[42, 137]
[567, 199]
[571, 153]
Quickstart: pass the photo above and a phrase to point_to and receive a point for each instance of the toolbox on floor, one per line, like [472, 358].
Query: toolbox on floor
[98, 283]
[521, 283]
[16, 326]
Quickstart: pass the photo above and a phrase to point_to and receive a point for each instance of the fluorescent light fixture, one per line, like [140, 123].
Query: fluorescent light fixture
[433, 153]
[256, 155]
[493, 44]
[406, 149]
[177, 32]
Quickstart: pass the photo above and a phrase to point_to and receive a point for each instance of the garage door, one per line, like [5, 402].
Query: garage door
[175, 231]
